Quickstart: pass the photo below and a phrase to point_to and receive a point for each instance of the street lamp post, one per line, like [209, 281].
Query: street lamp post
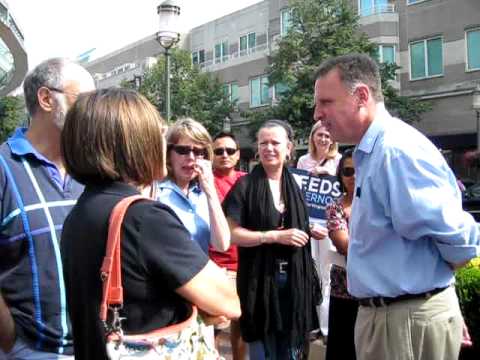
[476, 107]
[167, 36]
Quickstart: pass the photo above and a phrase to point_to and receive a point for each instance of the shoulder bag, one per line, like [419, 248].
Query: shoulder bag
[185, 340]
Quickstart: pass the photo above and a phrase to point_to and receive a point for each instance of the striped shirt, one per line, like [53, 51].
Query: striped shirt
[35, 201]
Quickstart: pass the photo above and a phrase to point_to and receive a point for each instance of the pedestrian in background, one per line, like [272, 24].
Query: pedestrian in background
[226, 154]
[343, 307]
[322, 156]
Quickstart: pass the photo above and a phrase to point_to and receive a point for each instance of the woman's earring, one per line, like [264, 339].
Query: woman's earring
[256, 157]
[288, 157]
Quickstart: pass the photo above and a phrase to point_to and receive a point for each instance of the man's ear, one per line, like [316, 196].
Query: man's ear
[45, 99]
[362, 93]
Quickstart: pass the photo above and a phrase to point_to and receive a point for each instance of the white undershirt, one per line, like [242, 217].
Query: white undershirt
[277, 195]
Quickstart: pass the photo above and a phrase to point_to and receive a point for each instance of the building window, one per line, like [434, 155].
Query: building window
[473, 49]
[198, 57]
[426, 58]
[259, 91]
[285, 21]
[371, 7]
[279, 90]
[221, 52]
[247, 44]
[410, 2]
[386, 54]
[231, 91]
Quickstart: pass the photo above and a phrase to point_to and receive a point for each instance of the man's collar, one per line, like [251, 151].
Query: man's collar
[21, 146]
[374, 130]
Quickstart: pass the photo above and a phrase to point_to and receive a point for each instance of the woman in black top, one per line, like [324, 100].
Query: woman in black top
[113, 142]
[276, 278]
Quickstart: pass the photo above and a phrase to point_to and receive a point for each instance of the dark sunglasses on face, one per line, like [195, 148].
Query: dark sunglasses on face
[348, 171]
[221, 151]
[186, 150]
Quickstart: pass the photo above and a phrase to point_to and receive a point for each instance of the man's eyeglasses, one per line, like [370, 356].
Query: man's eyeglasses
[348, 171]
[61, 91]
[220, 151]
[186, 150]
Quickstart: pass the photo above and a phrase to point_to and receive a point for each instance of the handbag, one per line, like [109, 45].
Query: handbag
[185, 340]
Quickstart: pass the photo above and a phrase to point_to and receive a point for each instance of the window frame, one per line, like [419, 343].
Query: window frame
[224, 53]
[425, 50]
[263, 102]
[195, 55]
[199, 57]
[372, 6]
[380, 52]
[229, 87]
[414, 2]
[248, 50]
[282, 11]
[467, 67]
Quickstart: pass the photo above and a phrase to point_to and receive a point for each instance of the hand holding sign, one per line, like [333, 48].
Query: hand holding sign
[318, 232]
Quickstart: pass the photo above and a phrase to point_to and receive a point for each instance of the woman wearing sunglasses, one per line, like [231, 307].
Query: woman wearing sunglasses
[189, 188]
[343, 307]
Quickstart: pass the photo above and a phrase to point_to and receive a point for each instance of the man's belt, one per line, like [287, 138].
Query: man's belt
[385, 301]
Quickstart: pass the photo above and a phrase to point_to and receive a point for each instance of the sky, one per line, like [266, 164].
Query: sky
[71, 27]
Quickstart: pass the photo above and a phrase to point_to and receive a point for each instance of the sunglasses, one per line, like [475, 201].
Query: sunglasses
[348, 171]
[221, 151]
[186, 150]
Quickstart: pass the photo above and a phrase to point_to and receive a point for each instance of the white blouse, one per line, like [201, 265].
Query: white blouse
[307, 162]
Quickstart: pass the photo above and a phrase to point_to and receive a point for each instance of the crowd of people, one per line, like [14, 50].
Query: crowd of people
[236, 246]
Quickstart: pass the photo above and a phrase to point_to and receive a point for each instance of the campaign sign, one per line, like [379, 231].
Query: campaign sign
[319, 191]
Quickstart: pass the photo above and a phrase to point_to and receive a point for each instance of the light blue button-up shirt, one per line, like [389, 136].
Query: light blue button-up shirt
[192, 210]
[407, 222]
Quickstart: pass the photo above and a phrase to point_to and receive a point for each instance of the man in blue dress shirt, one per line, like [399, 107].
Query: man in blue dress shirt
[408, 231]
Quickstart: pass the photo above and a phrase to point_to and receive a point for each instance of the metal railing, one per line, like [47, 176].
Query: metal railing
[238, 54]
[377, 9]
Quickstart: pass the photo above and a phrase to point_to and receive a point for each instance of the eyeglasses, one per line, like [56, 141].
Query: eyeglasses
[220, 151]
[186, 150]
[61, 91]
[348, 171]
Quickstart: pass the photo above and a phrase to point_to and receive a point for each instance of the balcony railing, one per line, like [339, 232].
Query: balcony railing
[238, 54]
[378, 9]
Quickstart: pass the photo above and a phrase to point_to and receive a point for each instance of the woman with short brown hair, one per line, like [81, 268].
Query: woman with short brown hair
[113, 142]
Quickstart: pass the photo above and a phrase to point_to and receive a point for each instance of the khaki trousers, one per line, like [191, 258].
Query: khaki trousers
[411, 330]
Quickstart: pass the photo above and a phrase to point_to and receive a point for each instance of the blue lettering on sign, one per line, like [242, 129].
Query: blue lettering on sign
[319, 191]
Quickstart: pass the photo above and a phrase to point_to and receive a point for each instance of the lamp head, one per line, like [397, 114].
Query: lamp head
[169, 24]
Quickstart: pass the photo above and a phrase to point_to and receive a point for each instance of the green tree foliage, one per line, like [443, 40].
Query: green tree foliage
[321, 29]
[194, 93]
[12, 114]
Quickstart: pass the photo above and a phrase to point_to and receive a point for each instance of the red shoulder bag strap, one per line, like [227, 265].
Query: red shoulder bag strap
[111, 270]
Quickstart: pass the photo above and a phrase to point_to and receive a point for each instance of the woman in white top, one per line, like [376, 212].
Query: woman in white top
[322, 156]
